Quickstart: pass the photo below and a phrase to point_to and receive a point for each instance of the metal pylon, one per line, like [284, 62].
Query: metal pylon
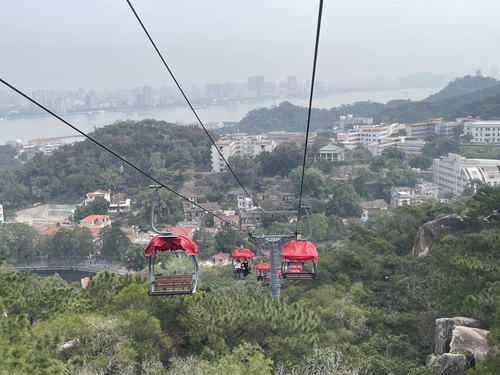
[274, 282]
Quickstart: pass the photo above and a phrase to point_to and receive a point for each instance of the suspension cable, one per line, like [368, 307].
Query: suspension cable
[188, 102]
[110, 151]
[315, 60]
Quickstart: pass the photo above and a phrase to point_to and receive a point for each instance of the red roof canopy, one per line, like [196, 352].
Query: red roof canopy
[242, 253]
[262, 267]
[179, 242]
[299, 251]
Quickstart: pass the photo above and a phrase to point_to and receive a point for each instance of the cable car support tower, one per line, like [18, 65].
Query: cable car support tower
[275, 250]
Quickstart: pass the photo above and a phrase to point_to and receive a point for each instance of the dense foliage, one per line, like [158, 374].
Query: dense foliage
[371, 310]
[164, 151]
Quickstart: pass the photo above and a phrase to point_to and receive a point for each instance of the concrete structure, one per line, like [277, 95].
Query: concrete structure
[365, 135]
[404, 196]
[280, 137]
[245, 204]
[351, 120]
[370, 207]
[427, 190]
[257, 86]
[421, 130]
[331, 153]
[453, 173]
[95, 221]
[238, 144]
[98, 194]
[2, 218]
[483, 131]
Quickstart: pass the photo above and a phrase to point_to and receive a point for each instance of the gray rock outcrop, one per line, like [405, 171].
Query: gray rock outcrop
[459, 344]
[443, 333]
[449, 364]
[470, 340]
[443, 224]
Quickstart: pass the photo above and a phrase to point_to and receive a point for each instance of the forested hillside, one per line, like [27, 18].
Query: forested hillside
[371, 309]
[466, 96]
[165, 151]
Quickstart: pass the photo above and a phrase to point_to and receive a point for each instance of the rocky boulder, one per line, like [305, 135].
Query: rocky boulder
[443, 333]
[471, 341]
[448, 364]
[459, 344]
[442, 225]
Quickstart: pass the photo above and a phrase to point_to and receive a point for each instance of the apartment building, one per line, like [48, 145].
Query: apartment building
[238, 144]
[365, 135]
[453, 173]
[483, 131]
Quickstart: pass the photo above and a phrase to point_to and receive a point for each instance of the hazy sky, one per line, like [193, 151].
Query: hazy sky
[66, 44]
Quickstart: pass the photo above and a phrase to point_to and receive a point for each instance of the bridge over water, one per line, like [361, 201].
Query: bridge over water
[47, 269]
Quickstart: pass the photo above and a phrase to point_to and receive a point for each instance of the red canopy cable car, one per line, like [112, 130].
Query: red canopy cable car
[177, 284]
[295, 255]
[262, 270]
[242, 266]
[161, 284]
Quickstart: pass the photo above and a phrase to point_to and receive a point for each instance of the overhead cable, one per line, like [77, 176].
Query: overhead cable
[110, 151]
[188, 102]
[315, 60]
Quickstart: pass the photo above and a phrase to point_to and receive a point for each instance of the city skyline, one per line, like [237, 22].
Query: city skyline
[100, 45]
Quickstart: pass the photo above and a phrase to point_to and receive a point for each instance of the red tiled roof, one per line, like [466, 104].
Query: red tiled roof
[93, 217]
[51, 230]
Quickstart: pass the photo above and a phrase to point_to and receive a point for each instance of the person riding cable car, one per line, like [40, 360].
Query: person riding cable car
[241, 258]
[262, 270]
[176, 284]
[295, 255]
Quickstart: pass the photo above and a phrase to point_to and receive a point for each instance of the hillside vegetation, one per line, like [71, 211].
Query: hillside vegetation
[466, 96]
[371, 309]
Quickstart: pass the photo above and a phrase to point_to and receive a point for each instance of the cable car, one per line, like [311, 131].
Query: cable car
[171, 284]
[297, 255]
[262, 271]
[169, 281]
[242, 259]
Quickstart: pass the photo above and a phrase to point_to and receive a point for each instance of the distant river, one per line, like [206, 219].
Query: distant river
[27, 129]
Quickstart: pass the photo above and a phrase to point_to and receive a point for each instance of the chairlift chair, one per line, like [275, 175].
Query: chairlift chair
[295, 256]
[239, 257]
[161, 284]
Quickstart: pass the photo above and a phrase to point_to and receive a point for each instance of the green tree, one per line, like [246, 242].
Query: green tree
[313, 182]
[420, 161]
[99, 206]
[114, 243]
[244, 168]
[344, 201]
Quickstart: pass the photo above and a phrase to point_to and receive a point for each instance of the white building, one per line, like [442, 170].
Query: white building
[239, 144]
[427, 190]
[483, 131]
[453, 173]
[2, 219]
[331, 153]
[365, 135]
[404, 196]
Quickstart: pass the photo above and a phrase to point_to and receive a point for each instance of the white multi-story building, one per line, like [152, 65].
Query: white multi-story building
[2, 219]
[240, 145]
[483, 131]
[404, 196]
[365, 135]
[453, 173]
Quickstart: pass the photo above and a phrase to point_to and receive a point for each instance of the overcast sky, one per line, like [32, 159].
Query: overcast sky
[66, 44]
